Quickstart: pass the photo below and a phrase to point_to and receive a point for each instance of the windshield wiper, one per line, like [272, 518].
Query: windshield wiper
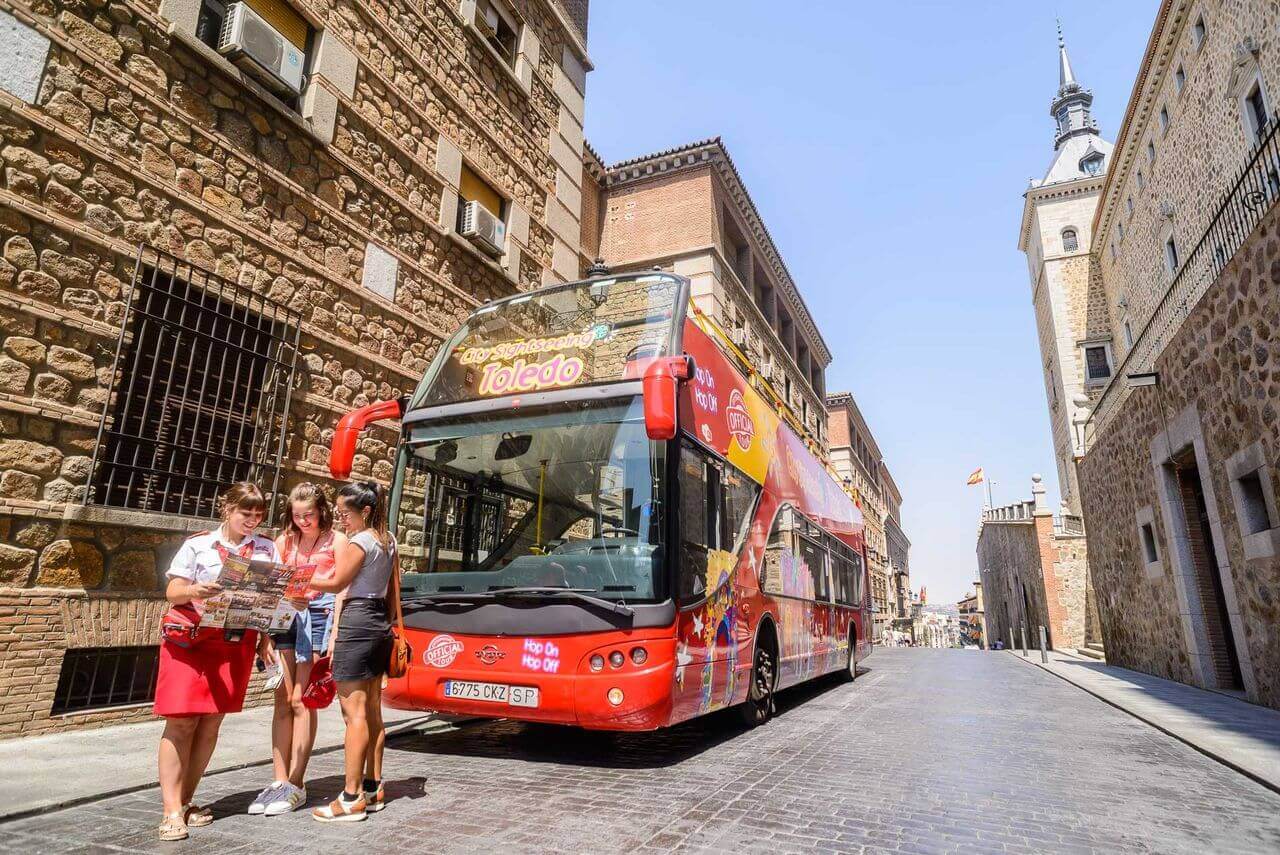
[583, 594]
[409, 604]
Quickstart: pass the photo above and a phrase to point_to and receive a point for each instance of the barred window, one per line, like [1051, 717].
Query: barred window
[1097, 362]
[94, 678]
[200, 391]
[1070, 243]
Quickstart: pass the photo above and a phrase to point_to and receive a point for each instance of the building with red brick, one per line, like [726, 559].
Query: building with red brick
[687, 210]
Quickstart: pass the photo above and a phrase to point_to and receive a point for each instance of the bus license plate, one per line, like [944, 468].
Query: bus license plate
[494, 693]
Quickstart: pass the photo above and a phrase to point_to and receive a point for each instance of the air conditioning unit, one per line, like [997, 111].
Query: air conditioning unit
[738, 335]
[487, 20]
[259, 49]
[483, 228]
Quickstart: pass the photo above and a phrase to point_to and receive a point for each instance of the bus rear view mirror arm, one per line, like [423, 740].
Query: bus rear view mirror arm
[662, 381]
[343, 449]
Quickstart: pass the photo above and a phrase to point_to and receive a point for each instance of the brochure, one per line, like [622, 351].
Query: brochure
[256, 595]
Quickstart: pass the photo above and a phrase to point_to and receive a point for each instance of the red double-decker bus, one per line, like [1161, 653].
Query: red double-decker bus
[603, 523]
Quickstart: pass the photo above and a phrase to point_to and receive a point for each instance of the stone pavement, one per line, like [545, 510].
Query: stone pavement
[66, 768]
[1245, 736]
[929, 751]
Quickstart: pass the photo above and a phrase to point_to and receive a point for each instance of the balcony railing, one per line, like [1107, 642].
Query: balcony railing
[1254, 190]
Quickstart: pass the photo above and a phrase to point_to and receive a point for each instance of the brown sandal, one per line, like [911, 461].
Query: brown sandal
[172, 828]
[197, 817]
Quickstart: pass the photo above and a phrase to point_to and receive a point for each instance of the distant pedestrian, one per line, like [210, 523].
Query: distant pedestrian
[363, 646]
[203, 672]
[308, 542]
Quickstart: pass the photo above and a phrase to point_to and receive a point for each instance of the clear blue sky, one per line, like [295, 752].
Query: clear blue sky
[887, 147]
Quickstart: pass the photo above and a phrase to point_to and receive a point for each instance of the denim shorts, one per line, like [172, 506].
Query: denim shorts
[321, 620]
[296, 638]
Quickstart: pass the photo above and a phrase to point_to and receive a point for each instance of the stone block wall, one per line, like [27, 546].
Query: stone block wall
[1196, 157]
[139, 134]
[1025, 555]
[1217, 395]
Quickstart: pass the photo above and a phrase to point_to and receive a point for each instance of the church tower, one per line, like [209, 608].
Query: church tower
[1066, 290]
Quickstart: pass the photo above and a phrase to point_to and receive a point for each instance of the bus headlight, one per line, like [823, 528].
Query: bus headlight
[597, 662]
[616, 659]
[615, 696]
[639, 655]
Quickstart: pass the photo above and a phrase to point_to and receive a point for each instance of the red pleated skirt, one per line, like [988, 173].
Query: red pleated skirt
[210, 677]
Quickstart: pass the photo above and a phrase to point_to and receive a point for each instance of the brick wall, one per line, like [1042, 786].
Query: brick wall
[661, 217]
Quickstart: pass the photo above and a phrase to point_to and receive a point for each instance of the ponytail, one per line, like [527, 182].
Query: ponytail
[371, 495]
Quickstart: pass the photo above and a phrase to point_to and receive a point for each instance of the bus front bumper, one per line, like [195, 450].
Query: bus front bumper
[628, 697]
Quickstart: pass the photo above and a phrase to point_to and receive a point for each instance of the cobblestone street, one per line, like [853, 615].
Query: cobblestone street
[991, 755]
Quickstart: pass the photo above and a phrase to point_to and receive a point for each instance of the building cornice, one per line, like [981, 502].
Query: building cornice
[1170, 19]
[712, 152]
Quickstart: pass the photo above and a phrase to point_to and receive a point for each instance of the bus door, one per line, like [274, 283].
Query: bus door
[716, 502]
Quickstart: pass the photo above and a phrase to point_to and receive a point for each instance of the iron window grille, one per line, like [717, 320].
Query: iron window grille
[94, 678]
[200, 391]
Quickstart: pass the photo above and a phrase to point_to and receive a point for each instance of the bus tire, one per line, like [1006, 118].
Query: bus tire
[851, 667]
[758, 708]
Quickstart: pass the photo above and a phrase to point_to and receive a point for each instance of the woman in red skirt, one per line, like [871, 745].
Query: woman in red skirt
[202, 681]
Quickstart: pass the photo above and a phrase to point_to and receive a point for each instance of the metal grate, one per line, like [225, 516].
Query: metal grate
[200, 391]
[96, 677]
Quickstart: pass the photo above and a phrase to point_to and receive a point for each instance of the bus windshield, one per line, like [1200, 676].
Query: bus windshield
[580, 334]
[564, 498]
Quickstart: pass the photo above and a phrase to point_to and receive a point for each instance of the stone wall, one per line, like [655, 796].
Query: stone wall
[1196, 157]
[1032, 576]
[1217, 396]
[142, 136]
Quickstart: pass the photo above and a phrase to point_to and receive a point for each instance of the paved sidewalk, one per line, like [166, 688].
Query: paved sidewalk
[1242, 735]
[59, 769]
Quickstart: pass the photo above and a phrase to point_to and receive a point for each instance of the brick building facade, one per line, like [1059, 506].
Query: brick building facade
[301, 255]
[1033, 571]
[687, 211]
[1179, 480]
[856, 458]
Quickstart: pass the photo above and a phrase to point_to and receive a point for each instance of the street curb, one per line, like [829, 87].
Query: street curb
[401, 730]
[1206, 751]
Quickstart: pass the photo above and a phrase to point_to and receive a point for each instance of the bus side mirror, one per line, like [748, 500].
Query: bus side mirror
[661, 386]
[343, 449]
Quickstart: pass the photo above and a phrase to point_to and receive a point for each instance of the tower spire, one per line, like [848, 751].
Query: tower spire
[1071, 105]
[1066, 77]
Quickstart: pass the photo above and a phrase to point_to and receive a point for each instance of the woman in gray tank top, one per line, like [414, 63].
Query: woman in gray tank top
[362, 648]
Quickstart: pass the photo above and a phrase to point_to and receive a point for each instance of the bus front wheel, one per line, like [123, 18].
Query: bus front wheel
[851, 667]
[758, 707]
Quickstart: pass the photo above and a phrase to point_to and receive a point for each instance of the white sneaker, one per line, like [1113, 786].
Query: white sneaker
[293, 798]
[264, 798]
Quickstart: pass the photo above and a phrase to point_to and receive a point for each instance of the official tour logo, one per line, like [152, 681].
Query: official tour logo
[489, 654]
[442, 650]
[741, 426]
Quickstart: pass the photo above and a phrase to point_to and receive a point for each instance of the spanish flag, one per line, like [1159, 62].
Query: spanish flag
[975, 478]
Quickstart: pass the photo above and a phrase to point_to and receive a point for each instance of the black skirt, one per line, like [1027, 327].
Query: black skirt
[363, 646]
